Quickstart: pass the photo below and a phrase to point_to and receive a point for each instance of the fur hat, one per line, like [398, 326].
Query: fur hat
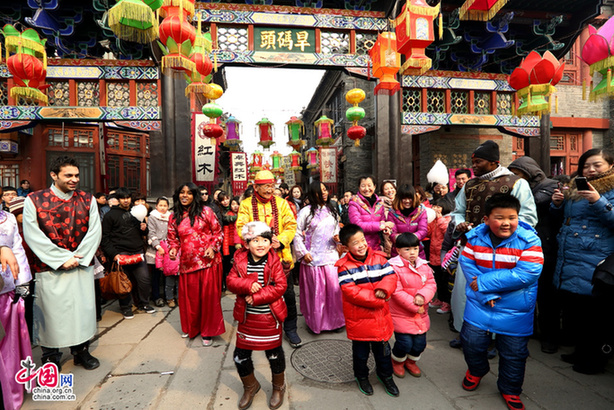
[488, 150]
[254, 229]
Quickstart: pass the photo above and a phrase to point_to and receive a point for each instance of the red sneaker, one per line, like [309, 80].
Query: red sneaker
[513, 402]
[470, 383]
[435, 303]
[445, 308]
[398, 369]
[413, 368]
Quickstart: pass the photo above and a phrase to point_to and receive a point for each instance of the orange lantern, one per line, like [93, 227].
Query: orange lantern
[481, 10]
[295, 161]
[414, 30]
[386, 63]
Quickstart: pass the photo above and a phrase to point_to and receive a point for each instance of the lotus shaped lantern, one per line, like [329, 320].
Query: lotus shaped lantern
[598, 53]
[535, 80]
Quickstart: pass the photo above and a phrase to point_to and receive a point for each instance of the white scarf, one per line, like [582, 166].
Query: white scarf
[498, 172]
[163, 217]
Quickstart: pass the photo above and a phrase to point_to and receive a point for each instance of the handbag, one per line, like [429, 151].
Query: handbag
[116, 283]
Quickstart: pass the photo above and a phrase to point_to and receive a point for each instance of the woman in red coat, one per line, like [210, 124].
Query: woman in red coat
[258, 280]
[195, 230]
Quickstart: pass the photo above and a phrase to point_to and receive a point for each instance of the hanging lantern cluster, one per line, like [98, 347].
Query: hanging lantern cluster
[355, 113]
[135, 20]
[481, 10]
[295, 126]
[295, 161]
[233, 131]
[213, 111]
[277, 166]
[312, 158]
[414, 31]
[325, 127]
[177, 36]
[386, 63]
[265, 130]
[26, 60]
[535, 80]
[598, 53]
[200, 77]
[256, 161]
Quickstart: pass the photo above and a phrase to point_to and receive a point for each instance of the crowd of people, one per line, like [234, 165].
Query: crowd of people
[486, 252]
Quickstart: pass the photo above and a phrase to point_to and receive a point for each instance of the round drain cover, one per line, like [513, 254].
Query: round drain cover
[327, 361]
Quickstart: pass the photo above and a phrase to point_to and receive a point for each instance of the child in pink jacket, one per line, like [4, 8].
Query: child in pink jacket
[409, 305]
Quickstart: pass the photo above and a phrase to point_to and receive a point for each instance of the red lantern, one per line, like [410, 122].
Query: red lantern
[212, 130]
[178, 37]
[173, 7]
[386, 63]
[482, 10]
[414, 30]
[295, 161]
[356, 133]
[257, 161]
[265, 128]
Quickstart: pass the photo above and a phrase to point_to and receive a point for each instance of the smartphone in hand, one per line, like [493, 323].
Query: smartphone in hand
[582, 184]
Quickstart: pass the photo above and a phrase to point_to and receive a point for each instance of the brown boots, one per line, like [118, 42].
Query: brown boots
[251, 387]
[279, 387]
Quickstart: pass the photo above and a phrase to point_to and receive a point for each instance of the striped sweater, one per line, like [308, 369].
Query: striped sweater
[506, 274]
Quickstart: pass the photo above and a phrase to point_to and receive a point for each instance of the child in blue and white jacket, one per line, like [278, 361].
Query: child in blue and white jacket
[502, 261]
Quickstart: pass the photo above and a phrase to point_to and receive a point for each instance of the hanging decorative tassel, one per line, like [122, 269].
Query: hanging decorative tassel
[556, 104]
[609, 79]
[440, 25]
[215, 61]
[584, 89]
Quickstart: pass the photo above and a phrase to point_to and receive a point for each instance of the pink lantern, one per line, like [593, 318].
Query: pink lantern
[325, 129]
[311, 155]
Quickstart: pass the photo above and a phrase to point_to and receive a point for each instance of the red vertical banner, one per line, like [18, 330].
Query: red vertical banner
[238, 166]
[204, 153]
[328, 167]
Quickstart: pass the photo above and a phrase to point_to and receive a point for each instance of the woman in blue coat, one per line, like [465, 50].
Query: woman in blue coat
[585, 239]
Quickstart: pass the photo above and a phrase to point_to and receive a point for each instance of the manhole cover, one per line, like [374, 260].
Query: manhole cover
[327, 361]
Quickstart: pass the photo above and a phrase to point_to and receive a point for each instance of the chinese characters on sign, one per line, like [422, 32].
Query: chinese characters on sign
[238, 163]
[289, 177]
[204, 153]
[52, 385]
[284, 40]
[328, 165]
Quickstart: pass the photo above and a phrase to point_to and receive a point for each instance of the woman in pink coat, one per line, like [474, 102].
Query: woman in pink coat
[367, 211]
[407, 215]
[409, 305]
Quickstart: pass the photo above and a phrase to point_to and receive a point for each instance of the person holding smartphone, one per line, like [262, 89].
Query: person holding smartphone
[585, 239]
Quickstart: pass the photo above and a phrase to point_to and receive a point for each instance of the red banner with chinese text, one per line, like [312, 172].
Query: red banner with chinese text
[238, 169]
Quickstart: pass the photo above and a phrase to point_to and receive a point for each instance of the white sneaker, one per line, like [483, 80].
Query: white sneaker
[207, 341]
[185, 335]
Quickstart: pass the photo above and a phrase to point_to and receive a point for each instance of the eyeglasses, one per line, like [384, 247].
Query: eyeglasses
[205, 193]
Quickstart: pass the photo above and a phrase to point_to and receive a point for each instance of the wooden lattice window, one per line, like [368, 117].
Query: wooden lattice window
[364, 42]
[412, 100]
[9, 174]
[59, 93]
[436, 101]
[4, 92]
[481, 103]
[118, 94]
[83, 138]
[504, 103]
[459, 102]
[147, 94]
[88, 94]
[557, 142]
[58, 138]
[232, 38]
[113, 140]
[333, 42]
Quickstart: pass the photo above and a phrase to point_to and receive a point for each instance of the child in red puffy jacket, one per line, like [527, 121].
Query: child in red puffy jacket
[367, 282]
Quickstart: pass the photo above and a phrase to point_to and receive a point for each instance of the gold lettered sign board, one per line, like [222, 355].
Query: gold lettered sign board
[284, 40]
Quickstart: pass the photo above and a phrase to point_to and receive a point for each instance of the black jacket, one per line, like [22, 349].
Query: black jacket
[121, 233]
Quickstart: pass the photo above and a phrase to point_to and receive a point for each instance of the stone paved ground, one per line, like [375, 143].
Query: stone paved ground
[145, 364]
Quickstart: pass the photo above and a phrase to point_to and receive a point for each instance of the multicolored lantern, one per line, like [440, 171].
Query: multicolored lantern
[135, 20]
[325, 127]
[312, 158]
[598, 53]
[199, 78]
[233, 129]
[213, 111]
[27, 64]
[276, 159]
[265, 130]
[535, 80]
[294, 127]
[414, 31]
[257, 161]
[386, 63]
[481, 10]
[355, 114]
[177, 37]
[295, 161]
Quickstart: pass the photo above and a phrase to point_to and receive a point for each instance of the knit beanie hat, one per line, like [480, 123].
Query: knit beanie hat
[488, 150]
[16, 205]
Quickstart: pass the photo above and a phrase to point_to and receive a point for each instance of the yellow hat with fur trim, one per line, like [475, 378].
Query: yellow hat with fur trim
[264, 177]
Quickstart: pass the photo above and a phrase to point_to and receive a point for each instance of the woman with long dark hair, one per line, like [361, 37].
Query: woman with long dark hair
[195, 230]
[315, 245]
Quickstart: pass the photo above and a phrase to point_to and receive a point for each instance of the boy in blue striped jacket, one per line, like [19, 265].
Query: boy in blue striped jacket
[502, 261]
